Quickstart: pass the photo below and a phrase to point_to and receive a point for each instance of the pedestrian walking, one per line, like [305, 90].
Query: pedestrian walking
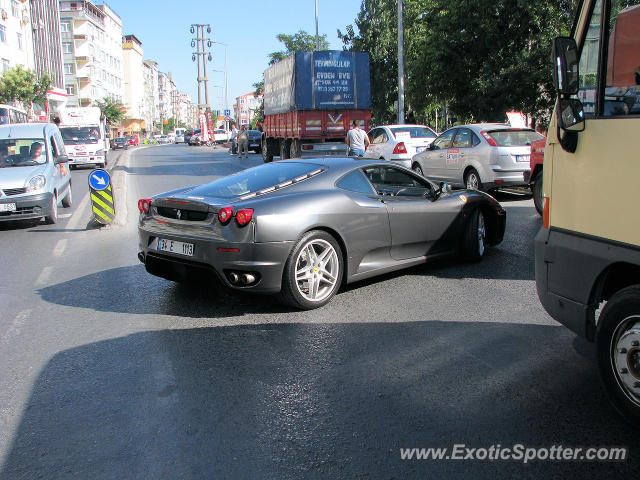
[357, 140]
[234, 139]
[243, 142]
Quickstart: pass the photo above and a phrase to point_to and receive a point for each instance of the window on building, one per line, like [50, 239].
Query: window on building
[71, 90]
[5, 65]
[65, 26]
[67, 47]
[15, 8]
[68, 68]
[3, 34]
[19, 36]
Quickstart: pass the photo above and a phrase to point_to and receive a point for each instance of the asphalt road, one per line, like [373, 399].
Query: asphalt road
[108, 372]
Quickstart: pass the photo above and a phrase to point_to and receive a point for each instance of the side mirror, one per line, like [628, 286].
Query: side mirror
[565, 65]
[61, 159]
[445, 187]
[570, 114]
[432, 146]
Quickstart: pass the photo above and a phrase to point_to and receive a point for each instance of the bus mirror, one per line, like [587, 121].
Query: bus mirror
[571, 114]
[565, 65]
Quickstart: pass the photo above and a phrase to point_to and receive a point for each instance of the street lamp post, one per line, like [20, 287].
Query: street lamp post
[226, 75]
[317, 36]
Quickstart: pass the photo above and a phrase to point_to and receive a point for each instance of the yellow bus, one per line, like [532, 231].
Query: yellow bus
[588, 249]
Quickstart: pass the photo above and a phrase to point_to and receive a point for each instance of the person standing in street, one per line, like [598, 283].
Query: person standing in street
[234, 139]
[243, 142]
[357, 140]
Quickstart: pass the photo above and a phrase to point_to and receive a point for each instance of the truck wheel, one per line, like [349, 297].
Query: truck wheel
[284, 149]
[618, 347]
[267, 153]
[296, 149]
[537, 192]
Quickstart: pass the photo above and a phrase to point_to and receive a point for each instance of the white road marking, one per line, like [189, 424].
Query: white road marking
[16, 325]
[58, 250]
[44, 276]
[64, 215]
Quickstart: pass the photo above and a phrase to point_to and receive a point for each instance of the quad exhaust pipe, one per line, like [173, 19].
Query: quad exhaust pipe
[241, 279]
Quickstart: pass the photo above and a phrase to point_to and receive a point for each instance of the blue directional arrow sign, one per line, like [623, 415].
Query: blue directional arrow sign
[99, 179]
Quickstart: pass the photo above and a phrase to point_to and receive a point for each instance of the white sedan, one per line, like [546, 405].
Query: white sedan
[399, 143]
[221, 136]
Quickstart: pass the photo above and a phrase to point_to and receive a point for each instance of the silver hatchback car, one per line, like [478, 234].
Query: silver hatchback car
[480, 156]
[33, 177]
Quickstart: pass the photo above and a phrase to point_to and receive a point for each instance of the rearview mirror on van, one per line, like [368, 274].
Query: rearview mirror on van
[565, 65]
[571, 114]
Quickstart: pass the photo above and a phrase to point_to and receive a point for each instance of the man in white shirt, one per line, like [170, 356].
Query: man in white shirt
[234, 139]
[357, 140]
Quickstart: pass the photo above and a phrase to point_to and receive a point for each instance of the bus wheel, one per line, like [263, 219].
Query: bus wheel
[618, 347]
[537, 192]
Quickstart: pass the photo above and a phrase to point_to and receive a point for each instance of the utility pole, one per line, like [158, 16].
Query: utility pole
[317, 36]
[400, 65]
[226, 83]
[200, 43]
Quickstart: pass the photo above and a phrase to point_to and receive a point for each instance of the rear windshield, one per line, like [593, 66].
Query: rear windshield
[412, 132]
[514, 138]
[253, 180]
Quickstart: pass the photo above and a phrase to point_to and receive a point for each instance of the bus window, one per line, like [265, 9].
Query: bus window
[4, 116]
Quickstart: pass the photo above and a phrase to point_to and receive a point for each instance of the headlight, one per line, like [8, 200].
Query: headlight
[36, 183]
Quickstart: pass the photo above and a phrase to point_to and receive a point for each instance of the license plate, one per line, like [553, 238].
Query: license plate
[420, 149]
[523, 158]
[174, 246]
[7, 207]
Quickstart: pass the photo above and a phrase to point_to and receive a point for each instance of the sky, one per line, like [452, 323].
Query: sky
[249, 27]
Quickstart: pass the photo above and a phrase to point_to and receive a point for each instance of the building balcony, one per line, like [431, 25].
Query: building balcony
[79, 36]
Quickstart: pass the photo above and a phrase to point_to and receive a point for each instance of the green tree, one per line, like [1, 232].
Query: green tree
[21, 85]
[113, 111]
[298, 42]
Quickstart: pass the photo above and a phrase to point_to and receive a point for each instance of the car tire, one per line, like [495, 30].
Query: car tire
[472, 180]
[52, 218]
[418, 169]
[475, 237]
[617, 351]
[537, 192]
[318, 257]
[67, 201]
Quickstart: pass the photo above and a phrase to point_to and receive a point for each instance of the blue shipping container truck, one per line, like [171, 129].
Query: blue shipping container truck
[305, 82]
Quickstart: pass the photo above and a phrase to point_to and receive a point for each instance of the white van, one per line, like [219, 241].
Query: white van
[179, 135]
[84, 135]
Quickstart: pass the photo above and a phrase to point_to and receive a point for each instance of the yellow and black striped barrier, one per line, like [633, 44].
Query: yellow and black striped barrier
[102, 201]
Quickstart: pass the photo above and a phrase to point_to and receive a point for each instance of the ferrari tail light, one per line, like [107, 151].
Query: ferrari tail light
[225, 214]
[400, 148]
[144, 205]
[489, 139]
[244, 216]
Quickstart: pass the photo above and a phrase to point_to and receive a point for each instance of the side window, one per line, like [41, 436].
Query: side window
[355, 182]
[54, 148]
[588, 67]
[462, 138]
[393, 181]
[474, 139]
[622, 92]
[444, 140]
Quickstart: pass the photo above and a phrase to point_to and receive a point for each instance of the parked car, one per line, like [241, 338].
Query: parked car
[536, 164]
[34, 179]
[132, 139]
[304, 228]
[480, 156]
[119, 142]
[187, 136]
[195, 139]
[254, 140]
[221, 136]
[399, 143]
[164, 139]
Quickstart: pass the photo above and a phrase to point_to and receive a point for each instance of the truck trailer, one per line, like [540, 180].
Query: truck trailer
[310, 100]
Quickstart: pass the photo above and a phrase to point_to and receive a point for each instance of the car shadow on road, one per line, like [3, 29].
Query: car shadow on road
[315, 401]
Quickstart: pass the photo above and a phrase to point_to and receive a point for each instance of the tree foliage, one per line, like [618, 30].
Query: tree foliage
[113, 111]
[21, 85]
[480, 57]
[298, 42]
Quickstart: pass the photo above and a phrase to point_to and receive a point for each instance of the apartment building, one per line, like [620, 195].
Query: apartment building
[92, 52]
[151, 95]
[134, 86]
[166, 96]
[16, 39]
[245, 107]
[47, 45]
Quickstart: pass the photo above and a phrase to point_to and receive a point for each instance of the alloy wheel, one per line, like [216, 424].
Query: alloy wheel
[317, 270]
